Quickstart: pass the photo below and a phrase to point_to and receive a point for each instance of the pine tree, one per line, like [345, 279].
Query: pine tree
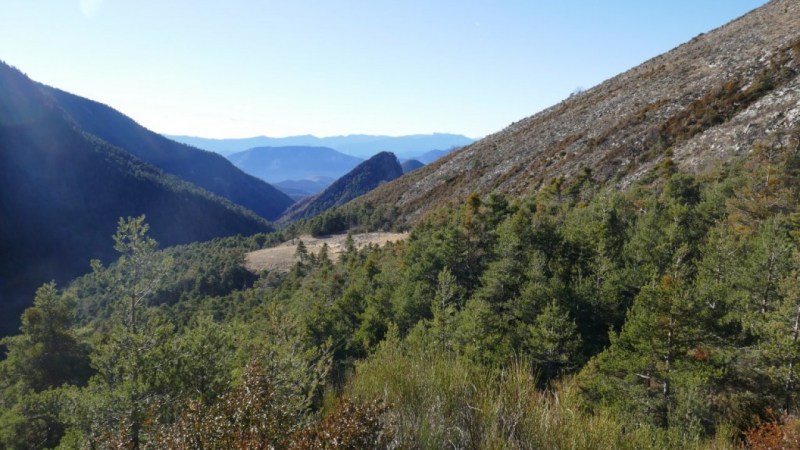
[445, 306]
[127, 359]
[40, 364]
[661, 365]
[47, 353]
[779, 341]
[553, 342]
[301, 253]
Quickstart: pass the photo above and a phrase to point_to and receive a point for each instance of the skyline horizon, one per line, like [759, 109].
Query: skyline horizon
[474, 138]
[326, 68]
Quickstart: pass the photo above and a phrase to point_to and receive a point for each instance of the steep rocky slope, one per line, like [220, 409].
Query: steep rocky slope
[707, 100]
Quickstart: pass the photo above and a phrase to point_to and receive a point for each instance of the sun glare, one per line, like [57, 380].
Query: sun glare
[89, 8]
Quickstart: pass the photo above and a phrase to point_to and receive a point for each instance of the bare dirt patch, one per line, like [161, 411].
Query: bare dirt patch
[282, 257]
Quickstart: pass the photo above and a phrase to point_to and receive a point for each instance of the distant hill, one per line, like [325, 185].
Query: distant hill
[275, 164]
[299, 189]
[411, 165]
[360, 145]
[62, 191]
[431, 156]
[704, 103]
[365, 177]
[205, 169]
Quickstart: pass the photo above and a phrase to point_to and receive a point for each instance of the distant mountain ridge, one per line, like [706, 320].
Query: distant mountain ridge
[360, 145]
[363, 178]
[299, 189]
[431, 156]
[275, 164]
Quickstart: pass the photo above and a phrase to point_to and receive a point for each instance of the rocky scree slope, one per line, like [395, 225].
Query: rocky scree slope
[708, 100]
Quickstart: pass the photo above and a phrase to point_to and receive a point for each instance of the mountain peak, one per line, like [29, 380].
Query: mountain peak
[363, 178]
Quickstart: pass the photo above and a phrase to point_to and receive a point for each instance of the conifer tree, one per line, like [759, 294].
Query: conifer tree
[553, 342]
[127, 359]
[660, 364]
[444, 307]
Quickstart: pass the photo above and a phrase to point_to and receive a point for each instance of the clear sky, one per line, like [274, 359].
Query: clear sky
[237, 68]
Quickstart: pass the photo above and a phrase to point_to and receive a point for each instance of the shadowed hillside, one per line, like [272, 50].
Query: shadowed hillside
[205, 169]
[62, 191]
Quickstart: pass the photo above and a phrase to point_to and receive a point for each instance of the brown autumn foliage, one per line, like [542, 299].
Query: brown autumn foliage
[775, 434]
[350, 425]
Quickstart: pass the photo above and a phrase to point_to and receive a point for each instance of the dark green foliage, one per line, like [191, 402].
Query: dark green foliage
[665, 315]
[327, 223]
[47, 353]
[45, 357]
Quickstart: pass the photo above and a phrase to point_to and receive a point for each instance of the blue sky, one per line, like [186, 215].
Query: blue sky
[240, 68]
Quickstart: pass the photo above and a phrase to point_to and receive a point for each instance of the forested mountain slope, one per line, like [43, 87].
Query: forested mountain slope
[705, 101]
[62, 191]
[205, 169]
[651, 304]
[363, 178]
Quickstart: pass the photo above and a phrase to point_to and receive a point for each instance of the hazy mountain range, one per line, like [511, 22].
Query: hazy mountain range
[359, 145]
[274, 164]
[299, 189]
[411, 165]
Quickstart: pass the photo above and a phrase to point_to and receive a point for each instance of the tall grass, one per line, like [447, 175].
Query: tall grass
[439, 400]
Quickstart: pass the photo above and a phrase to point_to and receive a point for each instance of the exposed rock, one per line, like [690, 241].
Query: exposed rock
[708, 99]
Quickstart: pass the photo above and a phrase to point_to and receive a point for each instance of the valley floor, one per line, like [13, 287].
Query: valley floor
[282, 257]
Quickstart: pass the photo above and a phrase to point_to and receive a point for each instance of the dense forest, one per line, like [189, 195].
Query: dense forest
[664, 315]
